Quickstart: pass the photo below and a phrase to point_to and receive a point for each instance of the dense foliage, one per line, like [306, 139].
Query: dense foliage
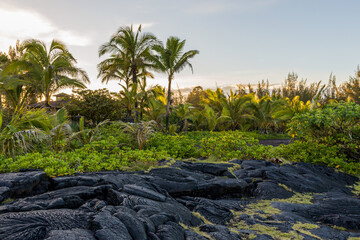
[332, 125]
[149, 124]
[95, 106]
[112, 148]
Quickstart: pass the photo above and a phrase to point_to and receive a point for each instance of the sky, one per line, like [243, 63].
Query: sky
[240, 41]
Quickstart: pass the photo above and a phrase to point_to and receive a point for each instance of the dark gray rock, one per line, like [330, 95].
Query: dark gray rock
[73, 234]
[23, 184]
[107, 227]
[171, 231]
[143, 192]
[209, 168]
[36, 224]
[134, 226]
[177, 202]
[270, 190]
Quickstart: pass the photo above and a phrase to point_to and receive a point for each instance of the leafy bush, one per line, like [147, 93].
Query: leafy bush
[96, 156]
[220, 145]
[336, 124]
[302, 151]
[95, 105]
[177, 146]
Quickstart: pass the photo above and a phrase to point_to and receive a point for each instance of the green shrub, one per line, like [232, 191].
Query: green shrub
[86, 159]
[177, 146]
[318, 153]
[95, 105]
[220, 145]
[335, 124]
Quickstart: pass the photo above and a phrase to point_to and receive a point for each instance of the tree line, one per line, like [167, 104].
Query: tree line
[32, 71]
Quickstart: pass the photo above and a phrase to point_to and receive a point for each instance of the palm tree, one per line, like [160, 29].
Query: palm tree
[12, 88]
[116, 67]
[267, 111]
[212, 118]
[215, 99]
[170, 59]
[48, 69]
[129, 97]
[183, 111]
[25, 129]
[234, 108]
[129, 51]
[155, 110]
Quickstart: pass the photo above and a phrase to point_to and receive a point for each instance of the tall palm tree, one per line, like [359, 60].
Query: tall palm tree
[128, 55]
[48, 69]
[170, 59]
[116, 67]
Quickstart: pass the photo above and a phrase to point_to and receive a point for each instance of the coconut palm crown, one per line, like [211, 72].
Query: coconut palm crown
[128, 55]
[48, 69]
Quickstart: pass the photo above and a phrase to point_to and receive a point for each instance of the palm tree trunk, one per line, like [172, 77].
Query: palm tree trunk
[134, 79]
[168, 102]
[47, 100]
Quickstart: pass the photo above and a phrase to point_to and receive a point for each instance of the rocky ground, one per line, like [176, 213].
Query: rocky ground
[183, 200]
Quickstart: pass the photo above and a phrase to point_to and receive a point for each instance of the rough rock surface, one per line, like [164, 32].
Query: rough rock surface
[185, 201]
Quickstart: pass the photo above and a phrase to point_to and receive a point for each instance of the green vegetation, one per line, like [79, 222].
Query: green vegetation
[332, 125]
[53, 143]
[135, 128]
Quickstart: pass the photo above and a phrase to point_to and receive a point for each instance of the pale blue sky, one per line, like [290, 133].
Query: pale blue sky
[240, 41]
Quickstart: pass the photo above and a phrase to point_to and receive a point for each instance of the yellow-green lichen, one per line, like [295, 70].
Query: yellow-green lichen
[285, 187]
[356, 189]
[338, 228]
[265, 209]
[168, 164]
[305, 227]
[233, 169]
[8, 200]
[197, 230]
[271, 231]
[198, 215]
[297, 198]
[262, 212]
[262, 208]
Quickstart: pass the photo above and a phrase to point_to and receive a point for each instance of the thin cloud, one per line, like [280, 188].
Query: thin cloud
[23, 24]
[213, 7]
